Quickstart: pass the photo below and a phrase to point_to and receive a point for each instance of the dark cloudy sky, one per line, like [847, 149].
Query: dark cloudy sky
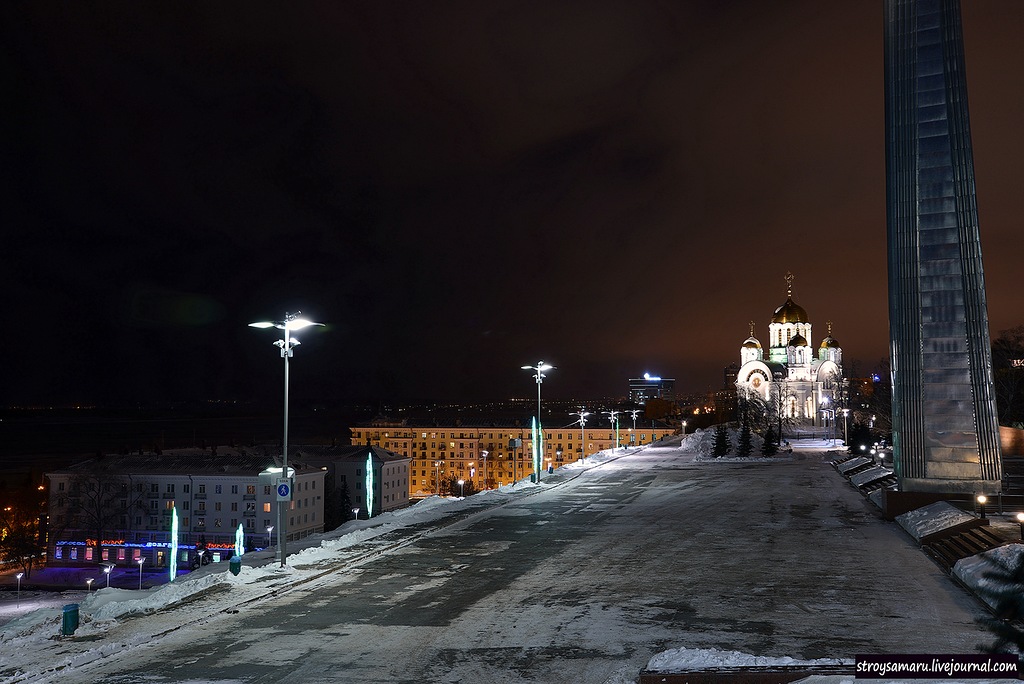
[457, 189]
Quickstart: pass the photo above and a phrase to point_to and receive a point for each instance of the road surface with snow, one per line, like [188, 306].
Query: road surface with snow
[583, 578]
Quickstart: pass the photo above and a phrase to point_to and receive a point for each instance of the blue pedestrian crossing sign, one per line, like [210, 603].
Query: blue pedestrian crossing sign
[284, 490]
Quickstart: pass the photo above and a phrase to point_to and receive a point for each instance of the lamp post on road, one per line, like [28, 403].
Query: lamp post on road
[140, 561]
[462, 489]
[538, 445]
[270, 528]
[20, 574]
[846, 431]
[614, 419]
[106, 571]
[484, 455]
[582, 413]
[88, 583]
[290, 323]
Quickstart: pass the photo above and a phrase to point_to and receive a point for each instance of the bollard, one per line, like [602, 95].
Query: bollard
[235, 565]
[69, 623]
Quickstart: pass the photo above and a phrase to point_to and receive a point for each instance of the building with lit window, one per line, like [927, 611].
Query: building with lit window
[493, 453]
[118, 508]
[651, 387]
[367, 478]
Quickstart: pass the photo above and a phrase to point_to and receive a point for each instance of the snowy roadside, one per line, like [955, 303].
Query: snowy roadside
[114, 620]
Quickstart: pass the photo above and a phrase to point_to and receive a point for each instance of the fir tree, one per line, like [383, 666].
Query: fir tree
[1005, 593]
[721, 445]
[746, 444]
[771, 443]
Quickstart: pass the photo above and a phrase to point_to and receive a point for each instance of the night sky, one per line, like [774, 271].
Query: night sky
[457, 189]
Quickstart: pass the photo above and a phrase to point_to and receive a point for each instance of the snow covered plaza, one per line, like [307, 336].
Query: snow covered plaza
[583, 578]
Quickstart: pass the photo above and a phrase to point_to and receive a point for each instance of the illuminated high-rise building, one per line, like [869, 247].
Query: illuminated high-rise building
[945, 433]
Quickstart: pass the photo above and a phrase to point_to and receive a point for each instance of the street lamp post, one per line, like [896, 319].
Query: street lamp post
[287, 345]
[846, 429]
[613, 418]
[437, 476]
[462, 489]
[539, 446]
[582, 413]
[484, 454]
[106, 571]
[88, 583]
[982, 500]
[201, 554]
[20, 574]
[1020, 519]
[684, 428]
[142, 559]
[270, 539]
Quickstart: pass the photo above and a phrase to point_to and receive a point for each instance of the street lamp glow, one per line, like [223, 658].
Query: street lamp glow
[89, 582]
[140, 561]
[286, 345]
[270, 528]
[462, 489]
[19, 576]
[106, 571]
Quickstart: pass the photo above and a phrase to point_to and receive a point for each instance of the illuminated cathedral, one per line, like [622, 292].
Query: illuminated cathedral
[804, 381]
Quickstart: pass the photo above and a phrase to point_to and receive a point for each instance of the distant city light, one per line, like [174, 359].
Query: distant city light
[648, 376]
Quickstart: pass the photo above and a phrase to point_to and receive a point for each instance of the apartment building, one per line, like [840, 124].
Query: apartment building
[489, 455]
[119, 508]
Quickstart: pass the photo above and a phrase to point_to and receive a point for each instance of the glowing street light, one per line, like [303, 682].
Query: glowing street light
[582, 413]
[20, 574]
[538, 445]
[684, 428]
[270, 528]
[846, 430]
[140, 561]
[613, 418]
[89, 582]
[484, 454]
[462, 489]
[106, 571]
[291, 323]
[1020, 519]
[982, 499]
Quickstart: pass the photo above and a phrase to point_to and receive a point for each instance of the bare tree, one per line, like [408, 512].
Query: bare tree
[99, 503]
[19, 528]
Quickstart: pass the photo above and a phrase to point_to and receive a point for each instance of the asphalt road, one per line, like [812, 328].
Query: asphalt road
[584, 581]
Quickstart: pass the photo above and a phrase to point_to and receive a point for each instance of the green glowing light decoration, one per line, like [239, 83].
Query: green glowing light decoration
[538, 446]
[239, 541]
[369, 485]
[174, 543]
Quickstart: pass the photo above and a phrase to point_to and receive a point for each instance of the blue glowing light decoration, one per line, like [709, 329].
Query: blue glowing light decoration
[239, 541]
[174, 543]
[369, 485]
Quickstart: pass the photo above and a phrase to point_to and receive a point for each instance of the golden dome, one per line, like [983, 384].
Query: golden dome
[751, 343]
[798, 340]
[829, 343]
[790, 312]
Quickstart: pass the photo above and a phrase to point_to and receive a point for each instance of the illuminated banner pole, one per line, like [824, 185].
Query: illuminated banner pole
[174, 545]
[369, 485]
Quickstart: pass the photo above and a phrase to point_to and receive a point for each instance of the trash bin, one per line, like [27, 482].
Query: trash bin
[70, 619]
[551, 469]
[533, 477]
[235, 565]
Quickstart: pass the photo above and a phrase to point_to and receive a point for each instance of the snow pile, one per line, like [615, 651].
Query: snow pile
[936, 517]
[689, 659]
[972, 570]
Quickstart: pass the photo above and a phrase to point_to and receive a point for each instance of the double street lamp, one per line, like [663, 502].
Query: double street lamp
[291, 323]
[582, 413]
[538, 446]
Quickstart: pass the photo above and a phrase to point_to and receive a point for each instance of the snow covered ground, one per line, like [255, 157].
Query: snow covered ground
[31, 650]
